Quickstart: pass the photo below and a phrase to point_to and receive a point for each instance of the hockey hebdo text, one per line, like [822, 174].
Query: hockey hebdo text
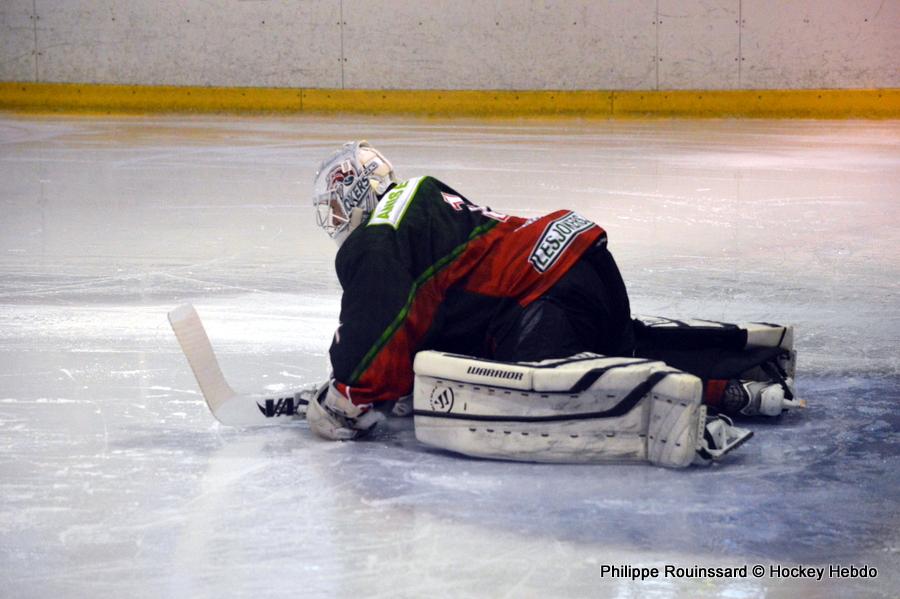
[770, 571]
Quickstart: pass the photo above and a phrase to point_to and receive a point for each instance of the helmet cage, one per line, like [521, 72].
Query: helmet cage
[343, 185]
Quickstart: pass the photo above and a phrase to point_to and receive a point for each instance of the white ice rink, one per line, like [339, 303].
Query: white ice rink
[116, 482]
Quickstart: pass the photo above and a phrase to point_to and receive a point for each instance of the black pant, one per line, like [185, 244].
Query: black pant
[586, 310]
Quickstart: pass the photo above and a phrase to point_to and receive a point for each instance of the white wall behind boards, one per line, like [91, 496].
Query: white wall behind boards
[455, 44]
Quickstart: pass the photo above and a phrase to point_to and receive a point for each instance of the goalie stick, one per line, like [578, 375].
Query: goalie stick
[227, 406]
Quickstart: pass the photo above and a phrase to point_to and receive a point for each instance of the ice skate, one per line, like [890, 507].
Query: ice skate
[755, 398]
[720, 437]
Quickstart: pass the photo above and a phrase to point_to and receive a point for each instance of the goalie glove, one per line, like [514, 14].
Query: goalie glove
[332, 416]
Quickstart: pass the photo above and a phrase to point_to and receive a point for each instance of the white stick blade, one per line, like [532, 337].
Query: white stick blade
[249, 410]
[199, 353]
[227, 406]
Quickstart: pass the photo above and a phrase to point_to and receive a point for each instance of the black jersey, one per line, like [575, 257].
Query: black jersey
[429, 270]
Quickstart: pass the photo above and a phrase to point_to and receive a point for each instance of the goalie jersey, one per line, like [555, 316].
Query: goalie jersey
[431, 270]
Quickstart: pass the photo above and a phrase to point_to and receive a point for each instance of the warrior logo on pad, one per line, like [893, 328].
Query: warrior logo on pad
[441, 399]
[558, 235]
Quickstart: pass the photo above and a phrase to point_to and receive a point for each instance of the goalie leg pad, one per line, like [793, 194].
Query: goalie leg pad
[688, 334]
[718, 350]
[586, 408]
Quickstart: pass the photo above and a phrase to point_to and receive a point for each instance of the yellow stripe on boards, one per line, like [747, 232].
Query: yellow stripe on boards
[129, 99]
[476, 103]
[101, 98]
[764, 103]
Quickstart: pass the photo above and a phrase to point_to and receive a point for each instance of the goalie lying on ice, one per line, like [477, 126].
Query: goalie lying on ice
[423, 268]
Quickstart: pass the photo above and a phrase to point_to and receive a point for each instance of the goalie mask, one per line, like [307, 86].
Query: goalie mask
[347, 187]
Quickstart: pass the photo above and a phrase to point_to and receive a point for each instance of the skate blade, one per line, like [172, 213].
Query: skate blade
[736, 444]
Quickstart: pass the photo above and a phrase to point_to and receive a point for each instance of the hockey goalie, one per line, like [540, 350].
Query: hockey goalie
[507, 338]
[514, 338]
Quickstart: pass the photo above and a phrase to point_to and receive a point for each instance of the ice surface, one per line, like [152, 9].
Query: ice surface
[116, 482]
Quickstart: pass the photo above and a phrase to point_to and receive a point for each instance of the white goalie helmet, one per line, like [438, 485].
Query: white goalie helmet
[347, 187]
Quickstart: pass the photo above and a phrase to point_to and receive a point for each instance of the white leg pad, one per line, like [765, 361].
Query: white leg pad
[586, 408]
[759, 334]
